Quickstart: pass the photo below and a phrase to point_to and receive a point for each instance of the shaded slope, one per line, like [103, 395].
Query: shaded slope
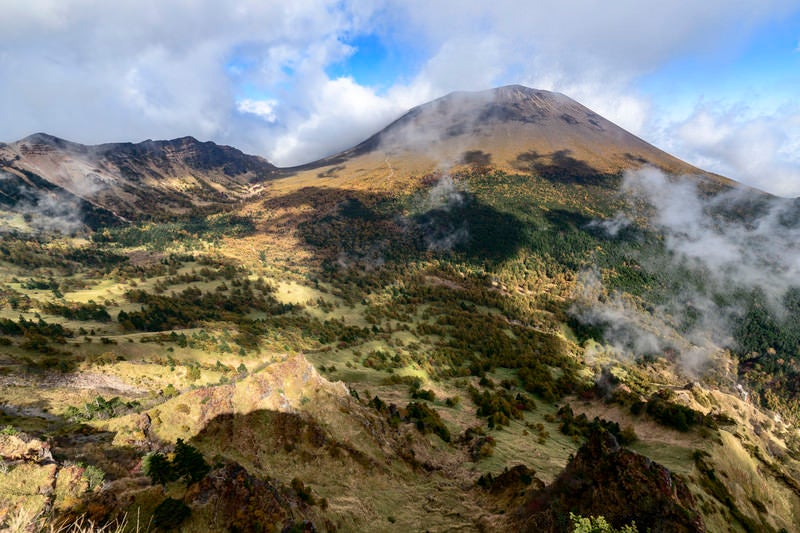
[624, 486]
[144, 180]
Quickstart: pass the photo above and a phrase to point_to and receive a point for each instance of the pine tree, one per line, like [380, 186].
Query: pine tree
[188, 463]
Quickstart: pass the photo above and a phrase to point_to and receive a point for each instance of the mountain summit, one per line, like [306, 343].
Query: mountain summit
[512, 128]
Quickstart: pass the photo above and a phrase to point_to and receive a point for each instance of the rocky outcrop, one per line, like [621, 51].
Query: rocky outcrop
[604, 479]
[290, 386]
[243, 502]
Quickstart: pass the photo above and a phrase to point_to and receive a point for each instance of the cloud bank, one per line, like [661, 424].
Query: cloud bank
[257, 75]
[719, 249]
[761, 149]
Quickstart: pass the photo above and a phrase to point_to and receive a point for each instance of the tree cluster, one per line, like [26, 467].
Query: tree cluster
[187, 464]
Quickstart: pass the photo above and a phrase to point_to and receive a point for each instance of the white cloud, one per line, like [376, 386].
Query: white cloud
[252, 73]
[757, 147]
[339, 110]
[97, 71]
[261, 108]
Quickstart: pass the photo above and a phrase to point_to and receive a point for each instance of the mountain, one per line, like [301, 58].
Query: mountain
[130, 181]
[501, 312]
[512, 128]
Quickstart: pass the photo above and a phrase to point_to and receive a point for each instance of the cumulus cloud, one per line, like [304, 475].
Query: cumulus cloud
[254, 74]
[96, 71]
[265, 109]
[761, 149]
[339, 109]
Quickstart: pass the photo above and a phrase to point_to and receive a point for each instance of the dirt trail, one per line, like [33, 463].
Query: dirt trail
[84, 380]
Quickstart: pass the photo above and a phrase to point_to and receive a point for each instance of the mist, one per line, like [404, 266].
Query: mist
[720, 248]
[740, 236]
[442, 228]
[443, 130]
[40, 212]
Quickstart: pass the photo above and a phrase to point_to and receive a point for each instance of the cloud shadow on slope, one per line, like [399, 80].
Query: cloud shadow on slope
[560, 166]
[353, 227]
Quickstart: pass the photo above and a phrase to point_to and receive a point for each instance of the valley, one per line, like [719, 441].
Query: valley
[437, 330]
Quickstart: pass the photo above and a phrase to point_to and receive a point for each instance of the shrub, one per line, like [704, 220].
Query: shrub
[671, 414]
[303, 492]
[427, 420]
[158, 468]
[424, 394]
[93, 476]
[188, 463]
[597, 524]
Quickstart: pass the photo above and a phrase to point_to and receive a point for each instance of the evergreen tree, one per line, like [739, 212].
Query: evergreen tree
[188, 463]
[158, 468]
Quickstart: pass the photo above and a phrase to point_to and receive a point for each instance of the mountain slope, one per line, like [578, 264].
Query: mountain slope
[132, 181]
[513, 129]
[426, 348]
[510, 128]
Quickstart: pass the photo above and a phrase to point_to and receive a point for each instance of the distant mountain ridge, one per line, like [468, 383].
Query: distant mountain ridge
[512, 128]
[127, 181]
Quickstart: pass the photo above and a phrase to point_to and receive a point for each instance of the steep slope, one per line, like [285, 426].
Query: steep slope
[132, 181]
[512, 128]
[605, 479]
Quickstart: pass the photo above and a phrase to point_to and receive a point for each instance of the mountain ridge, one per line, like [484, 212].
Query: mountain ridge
[130, 180]
[512, 128]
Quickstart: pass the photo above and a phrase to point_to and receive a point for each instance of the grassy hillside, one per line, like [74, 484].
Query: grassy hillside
[356, 358]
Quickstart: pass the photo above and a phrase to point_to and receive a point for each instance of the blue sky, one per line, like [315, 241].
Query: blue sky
[713, 82]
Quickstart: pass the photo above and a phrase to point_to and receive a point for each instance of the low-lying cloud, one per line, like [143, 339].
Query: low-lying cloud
[40, 212]
[733, 242]
[441, 230]
[740, 237]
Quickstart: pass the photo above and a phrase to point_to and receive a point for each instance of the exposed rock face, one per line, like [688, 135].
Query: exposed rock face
[22, 448]
[619, 484]
[243, 502]
[28, 474]
[283, 387]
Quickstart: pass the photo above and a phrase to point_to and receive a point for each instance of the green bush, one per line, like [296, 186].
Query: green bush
[427, 420]
[188, 463]
[93, 476]
[597, 524]
[158, 468]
